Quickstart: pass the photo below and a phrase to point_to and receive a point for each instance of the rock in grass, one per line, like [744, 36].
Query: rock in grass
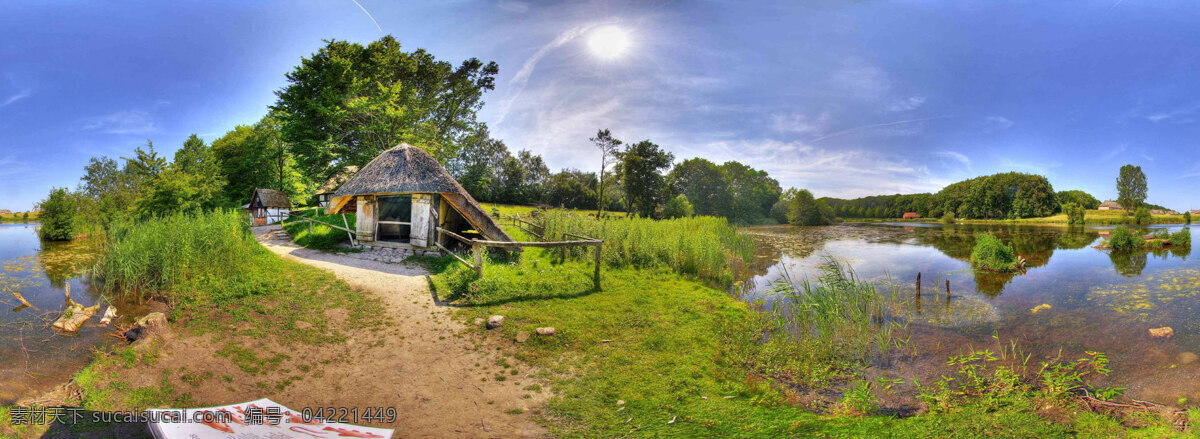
[1163, 332]
[522, 337]
[154, 319]
[545, 331]
[494, 322]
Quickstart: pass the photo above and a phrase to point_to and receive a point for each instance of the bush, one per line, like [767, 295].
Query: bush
[948, 218]
[992, 254]
[1122, 239]
[678, 207]
[1182, 238]
[1075, 213]
[1187, 217]
[58, 216]
[700, 246]
[1142, 215]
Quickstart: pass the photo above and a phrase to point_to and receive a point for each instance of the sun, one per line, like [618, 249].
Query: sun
[608, 42]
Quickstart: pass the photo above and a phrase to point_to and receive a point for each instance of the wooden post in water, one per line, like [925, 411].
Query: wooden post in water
[67, 292]
[918, 285]
[947, 293]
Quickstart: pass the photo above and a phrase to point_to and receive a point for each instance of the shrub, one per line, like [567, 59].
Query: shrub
[58, 216]
[1122, 239]
[1187, 217]
[948, 218]
[992, 254]
[1142, 215]
[1182, 238]
[678, 207]
[700, 246]
[1075, 213]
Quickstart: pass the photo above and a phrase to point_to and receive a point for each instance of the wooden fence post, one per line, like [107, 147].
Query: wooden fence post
[596, 276]
[477, 251]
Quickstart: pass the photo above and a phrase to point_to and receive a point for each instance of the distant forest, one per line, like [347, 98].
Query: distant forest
[998, 196]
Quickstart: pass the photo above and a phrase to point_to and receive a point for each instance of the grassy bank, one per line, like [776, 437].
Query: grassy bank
[255, 307]
[1097, 217]
[658, 354]
[320, 237]
[19, 217]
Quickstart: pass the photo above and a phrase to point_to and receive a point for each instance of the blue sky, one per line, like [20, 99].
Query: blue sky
[844, 98]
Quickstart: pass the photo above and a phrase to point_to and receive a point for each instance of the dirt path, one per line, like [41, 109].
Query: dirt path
[441, 381]
[426, 371]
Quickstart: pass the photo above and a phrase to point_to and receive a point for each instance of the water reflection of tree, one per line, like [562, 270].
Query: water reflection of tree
[1129, 263]
[63, 261]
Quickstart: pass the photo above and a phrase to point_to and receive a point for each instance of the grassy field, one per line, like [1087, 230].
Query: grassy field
[19, 217]
[656, 354]
[321, 237]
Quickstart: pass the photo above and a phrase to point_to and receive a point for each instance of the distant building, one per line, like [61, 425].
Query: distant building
[1158, 212]
[5, 212]
[1195, 212]
[325, 192]
[268, 206]
[911, 215]
[1110, 205]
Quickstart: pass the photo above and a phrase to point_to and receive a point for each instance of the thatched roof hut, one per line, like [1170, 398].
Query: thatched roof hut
[326, 191]
[1110, 205]
[403, 195]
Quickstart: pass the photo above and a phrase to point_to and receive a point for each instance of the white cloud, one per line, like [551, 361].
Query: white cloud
[862, 79]
[1179, 116]
[955, 156]
[22, 94]
[122, 122]
[906, 104]
[997, 123]
[800, 123]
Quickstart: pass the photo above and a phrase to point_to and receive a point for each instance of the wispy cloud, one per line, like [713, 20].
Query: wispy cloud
[906, 104]
[360, 6]
[1114, 153]
[121, 122]
[800, 123]
[22, 94]
[1180, 116]
[513, 6]
[957, 157]
[521, 79]
[997, 123]
[876, 126]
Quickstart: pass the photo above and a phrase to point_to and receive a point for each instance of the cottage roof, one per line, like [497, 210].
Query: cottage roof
[271, 198]
[1111, 203]
[333, 183]
[408, 169]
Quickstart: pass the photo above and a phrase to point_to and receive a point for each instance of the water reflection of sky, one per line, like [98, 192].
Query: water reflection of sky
[1098, 300]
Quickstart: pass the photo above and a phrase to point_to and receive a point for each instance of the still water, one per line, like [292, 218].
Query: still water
[33, 357]
[1097, 300]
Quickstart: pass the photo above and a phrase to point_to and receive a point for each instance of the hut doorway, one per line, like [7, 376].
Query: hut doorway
[395, 213]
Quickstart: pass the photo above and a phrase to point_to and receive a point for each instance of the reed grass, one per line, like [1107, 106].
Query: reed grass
[696, 246]
[151, 256]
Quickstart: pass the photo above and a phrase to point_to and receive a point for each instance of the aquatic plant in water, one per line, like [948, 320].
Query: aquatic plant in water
[992, 254]
[1141, 300]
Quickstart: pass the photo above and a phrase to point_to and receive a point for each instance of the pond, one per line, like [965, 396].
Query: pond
[33, 357]
[1087, 299]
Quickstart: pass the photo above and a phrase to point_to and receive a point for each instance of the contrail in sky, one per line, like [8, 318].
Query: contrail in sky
[360, 6]
[519, 80]
[878, 125]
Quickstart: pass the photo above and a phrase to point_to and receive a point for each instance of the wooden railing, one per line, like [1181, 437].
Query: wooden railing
[479, 249]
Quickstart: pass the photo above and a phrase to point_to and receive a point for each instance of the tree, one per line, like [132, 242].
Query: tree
[571, 189]
[752, 192]
[1084, 199]
[1187, 217]
[806, 211]
[678, 207]
[347, 103]
[479, 156]
[58, 216]
[704, 184]
[641, 166]
[608, 146]
[1131, 187]
[1142, 215]
[252, 157]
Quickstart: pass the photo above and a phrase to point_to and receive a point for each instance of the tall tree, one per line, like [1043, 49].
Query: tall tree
[608, 146]
[704, 184]
[479, 156]
[348, 102]
[1131, 187]
[645, 186]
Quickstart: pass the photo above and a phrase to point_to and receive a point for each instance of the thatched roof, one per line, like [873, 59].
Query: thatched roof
[408, 169]
[333, 183]
[271, 198]
[1111, 204]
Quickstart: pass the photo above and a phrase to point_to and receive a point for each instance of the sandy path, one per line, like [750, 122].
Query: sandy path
[420, 366]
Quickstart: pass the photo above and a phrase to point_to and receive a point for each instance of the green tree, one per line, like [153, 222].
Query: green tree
[678, 207]
[479, 156]
[1142, 215]
[752, 192]
[806, 211]
[571, 189]
[608, 147]
[1131, 187]
[252, 157]
[1187, 217]
[704, 184]
[1078, 197]
[641, 166]
[58, 215]
[347, 103]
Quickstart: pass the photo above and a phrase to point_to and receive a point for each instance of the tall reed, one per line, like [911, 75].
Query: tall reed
[151, 256]
[698, 246]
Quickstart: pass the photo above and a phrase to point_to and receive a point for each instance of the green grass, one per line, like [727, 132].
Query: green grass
[698, 246]
[992, 254]
[688, 361]
[1097, 217]
[19, 217]
[322, 237]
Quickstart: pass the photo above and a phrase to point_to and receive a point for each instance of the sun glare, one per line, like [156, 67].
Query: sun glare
[608, 42]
